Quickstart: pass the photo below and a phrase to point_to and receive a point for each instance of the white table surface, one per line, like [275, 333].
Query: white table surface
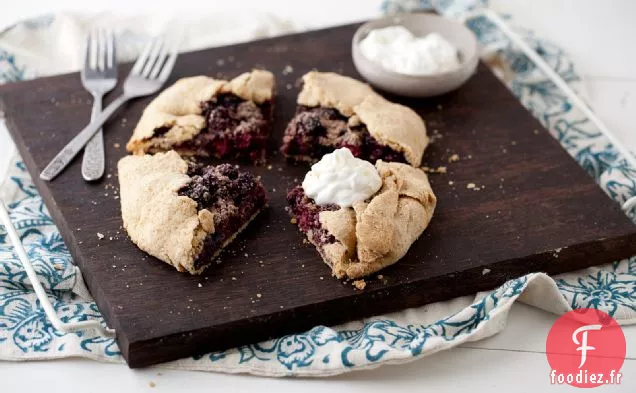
[597, 36]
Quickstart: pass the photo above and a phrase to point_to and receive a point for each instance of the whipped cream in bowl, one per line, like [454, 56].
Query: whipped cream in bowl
[415, 55]
[399, 50]
[340, 178]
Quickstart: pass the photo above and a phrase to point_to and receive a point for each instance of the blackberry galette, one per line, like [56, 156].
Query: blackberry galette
[185, 213]
[336, 111]
[208, 117]
[361, 217]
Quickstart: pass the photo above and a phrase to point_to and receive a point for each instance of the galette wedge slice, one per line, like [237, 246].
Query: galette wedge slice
[185, 213]
[336, 111]
[361, 217]
[203, 116]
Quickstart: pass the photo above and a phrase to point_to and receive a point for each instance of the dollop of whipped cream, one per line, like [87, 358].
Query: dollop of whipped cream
[340, 178]
[396, 49]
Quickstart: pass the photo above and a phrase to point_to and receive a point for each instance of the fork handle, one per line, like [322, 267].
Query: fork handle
[93, 160]
[64, 157]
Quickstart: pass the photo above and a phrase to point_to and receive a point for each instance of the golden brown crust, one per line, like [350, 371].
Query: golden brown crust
[178, 108]
[158, 220]
[394, 125]
[384, 227]
[391, 124]
[331, 90]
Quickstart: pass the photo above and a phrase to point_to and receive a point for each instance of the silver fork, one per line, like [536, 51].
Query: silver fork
[150, 72]
[99, 76]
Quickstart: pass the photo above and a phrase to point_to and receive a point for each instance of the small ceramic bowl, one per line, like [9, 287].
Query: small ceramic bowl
[419, 85]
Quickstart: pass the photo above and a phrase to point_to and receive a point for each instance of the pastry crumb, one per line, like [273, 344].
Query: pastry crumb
[116, 145]
[233, 278]
[269, 167]
[536, 132]
[470, 186]
[485, 271]
[453, 158]
[100, 235]
[258, 295]
[439, 107]
[322, 278]
[450, 182]
[288, 86]
[152, 384]
[380, 277]
[360, 284]
[439, 169]
[293, 220]
[200, 285]
[288, 69]
[57, 266]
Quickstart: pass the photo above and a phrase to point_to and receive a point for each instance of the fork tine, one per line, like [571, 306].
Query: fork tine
[139, 64]
[154, 55]
[101, 34]
[159, 63]
[87, 55]
[110, 50]
[167, 67]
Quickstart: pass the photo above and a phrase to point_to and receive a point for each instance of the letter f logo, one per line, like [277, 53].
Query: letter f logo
[584, 347]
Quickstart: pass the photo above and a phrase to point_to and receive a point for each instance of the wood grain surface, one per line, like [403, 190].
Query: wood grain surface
[535, 210]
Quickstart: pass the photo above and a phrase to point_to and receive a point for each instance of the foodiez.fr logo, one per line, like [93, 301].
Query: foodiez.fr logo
[585, 348]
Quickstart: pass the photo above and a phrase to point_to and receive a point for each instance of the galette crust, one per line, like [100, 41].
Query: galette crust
[375, 234]
[394, 125]
[158, 220]
[331, 90]
[178, 108]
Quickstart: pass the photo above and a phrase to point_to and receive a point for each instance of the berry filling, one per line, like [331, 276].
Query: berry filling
[235, 128]
[307, 213]
[233, 196]
[314, 132]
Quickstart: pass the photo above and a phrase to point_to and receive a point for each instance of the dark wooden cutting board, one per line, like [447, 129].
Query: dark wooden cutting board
[535, 210]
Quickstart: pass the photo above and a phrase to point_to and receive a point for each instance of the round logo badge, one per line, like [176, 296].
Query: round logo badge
[585, 348]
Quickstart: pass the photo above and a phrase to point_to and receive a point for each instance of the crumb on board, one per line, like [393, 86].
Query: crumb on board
[200, 285]
[269, 167]
[439, 169]
[100, 235]
[116, 145]
[485, 271]
[470, 186]
[380, 277]
[453, 158]
[450, 182]
[360, 284]
[536, 132]
[152, 384]
[288, 86]
[288, 69]
[258, 295]
[322, 278]
[293, 220]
